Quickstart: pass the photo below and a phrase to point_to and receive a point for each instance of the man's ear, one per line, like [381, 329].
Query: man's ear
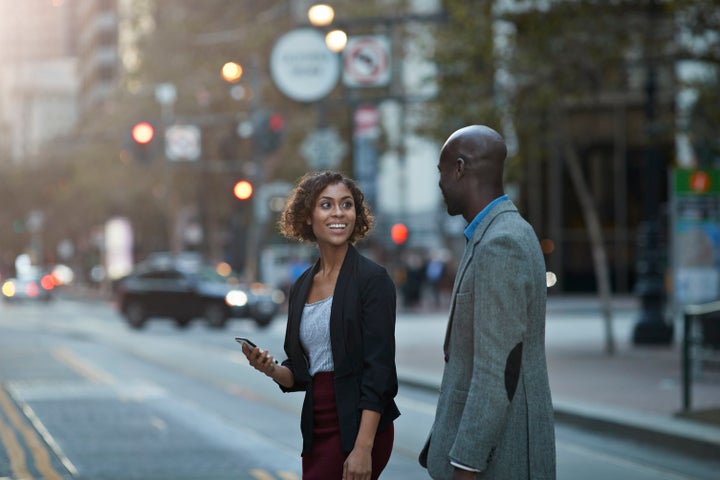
[459, 167]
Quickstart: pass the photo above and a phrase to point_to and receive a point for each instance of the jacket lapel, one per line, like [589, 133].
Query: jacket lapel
[477, 236]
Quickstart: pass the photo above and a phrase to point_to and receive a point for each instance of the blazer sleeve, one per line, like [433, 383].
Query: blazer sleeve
[293, 351]
[379, 383]
[502, 284]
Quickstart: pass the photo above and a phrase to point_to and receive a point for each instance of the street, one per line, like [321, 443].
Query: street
[82, 396]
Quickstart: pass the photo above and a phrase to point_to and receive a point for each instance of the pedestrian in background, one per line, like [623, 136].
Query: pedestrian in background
[494, 418]
[340, 338]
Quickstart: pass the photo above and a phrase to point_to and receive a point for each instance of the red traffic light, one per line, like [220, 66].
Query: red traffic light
[399, 233]
[143, 133]
[243, 190]
[276, 122]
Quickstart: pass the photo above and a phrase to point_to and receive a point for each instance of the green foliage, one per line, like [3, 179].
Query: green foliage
[463, 52]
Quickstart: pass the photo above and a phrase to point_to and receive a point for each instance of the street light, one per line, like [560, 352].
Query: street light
[321, 15]
[651, 327]
[231, 72]
[336, 40]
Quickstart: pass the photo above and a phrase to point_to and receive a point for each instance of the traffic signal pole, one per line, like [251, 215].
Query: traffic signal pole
[252, 264]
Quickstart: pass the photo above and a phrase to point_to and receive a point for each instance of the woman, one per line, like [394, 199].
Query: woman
[340, 338]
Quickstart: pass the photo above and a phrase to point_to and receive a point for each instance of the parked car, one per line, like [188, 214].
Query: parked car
[28, 288]
[182, 290]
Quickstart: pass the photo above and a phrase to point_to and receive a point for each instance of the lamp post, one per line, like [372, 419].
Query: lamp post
[651, 327]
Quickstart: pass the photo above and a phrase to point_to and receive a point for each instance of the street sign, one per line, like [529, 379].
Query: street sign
[302, 66]
[323, 149]
[366, 61]
[696, 235]
[367, 122]
[182, 142]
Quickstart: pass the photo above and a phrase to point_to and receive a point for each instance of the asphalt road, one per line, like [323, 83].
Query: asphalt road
[84, 397]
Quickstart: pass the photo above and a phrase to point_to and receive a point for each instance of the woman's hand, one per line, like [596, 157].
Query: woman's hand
[260, 360]
[358, 465]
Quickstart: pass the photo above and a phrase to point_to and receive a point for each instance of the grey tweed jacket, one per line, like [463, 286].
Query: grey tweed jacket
[494, 412]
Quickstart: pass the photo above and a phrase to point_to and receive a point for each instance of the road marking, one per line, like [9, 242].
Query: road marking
[261, 475]
[84, 368]
[49, 440]
[288, 476]
[37, 448]
[12, 446]
[158, 423]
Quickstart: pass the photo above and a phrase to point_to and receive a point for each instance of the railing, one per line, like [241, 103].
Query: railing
[701, 343]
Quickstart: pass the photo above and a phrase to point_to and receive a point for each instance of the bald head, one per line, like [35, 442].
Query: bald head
[471, 169]
[482, 149]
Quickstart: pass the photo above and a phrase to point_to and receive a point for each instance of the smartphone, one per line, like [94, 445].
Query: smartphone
[248, 341]
[245, 340]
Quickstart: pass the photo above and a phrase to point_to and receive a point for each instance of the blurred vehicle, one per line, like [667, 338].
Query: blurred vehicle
[28, 288]
[183, 288]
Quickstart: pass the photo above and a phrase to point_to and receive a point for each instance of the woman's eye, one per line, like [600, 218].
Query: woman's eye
[347, 204]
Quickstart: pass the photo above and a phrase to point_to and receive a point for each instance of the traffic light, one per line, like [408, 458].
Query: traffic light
[142, 134]
[268, 130]
[399, 233]
[243, 190]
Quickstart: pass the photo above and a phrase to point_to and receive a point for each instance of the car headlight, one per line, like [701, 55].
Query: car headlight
[236, 298]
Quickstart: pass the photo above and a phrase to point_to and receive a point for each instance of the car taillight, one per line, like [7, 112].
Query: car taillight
[47, 282]
[31, 289]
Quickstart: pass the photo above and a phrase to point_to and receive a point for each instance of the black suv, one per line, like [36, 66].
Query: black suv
[182, 290]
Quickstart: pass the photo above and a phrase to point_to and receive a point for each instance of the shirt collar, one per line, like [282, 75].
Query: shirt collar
[470, 229]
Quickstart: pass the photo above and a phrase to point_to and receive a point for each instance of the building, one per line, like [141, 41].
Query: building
[58, 61]
[38, 84]
[97, 52]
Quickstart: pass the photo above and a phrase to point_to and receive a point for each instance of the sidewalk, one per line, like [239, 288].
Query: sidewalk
[637, 391]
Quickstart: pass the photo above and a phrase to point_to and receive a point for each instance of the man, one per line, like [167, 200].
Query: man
[494, 417]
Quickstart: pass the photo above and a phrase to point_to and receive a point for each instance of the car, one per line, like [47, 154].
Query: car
[28, 288]
[173, 287]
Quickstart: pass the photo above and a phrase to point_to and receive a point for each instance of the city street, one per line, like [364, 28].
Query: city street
[82, 396]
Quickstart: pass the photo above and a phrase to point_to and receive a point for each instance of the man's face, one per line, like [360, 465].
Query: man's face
[448, 182]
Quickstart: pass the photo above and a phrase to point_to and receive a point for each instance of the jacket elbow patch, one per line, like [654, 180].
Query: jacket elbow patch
[512, 370]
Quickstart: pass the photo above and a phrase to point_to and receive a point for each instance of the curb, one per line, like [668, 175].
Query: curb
[690, 438]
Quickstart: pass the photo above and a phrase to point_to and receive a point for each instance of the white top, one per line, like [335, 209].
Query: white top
[315, 335]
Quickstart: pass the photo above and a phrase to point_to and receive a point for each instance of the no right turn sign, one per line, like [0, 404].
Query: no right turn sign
[366, 61]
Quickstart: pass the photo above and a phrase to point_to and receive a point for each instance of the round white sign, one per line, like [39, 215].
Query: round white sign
[302, 66]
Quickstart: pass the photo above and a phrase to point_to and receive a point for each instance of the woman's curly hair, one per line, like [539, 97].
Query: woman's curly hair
[301, 202]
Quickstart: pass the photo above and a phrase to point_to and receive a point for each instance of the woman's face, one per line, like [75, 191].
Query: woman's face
[333, 215]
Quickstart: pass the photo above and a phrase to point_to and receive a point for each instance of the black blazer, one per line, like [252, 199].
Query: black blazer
[362, 337]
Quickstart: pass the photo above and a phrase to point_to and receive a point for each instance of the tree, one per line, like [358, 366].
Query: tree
[536, 78]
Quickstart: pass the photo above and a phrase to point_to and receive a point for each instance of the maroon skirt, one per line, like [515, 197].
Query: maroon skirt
[325, 460]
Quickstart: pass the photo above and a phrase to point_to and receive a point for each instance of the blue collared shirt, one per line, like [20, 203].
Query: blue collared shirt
[470, 229]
